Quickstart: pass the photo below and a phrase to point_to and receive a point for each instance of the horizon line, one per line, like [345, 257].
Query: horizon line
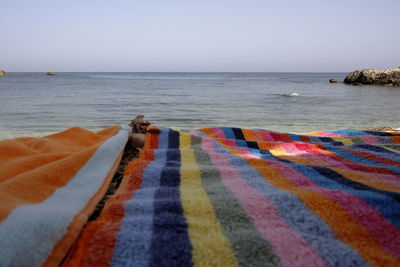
[179, 71]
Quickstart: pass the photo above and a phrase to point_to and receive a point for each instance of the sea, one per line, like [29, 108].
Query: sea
[35, 104]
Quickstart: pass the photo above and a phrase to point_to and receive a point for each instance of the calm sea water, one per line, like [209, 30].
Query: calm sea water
[34, 104]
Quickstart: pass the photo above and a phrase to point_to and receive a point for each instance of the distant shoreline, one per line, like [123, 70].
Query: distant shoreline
[189, 72]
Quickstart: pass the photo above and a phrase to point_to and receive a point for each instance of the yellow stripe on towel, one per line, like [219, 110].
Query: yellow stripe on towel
[210, 245]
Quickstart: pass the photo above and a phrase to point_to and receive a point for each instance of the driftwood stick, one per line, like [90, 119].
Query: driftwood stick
[138, 135]
[139, 125]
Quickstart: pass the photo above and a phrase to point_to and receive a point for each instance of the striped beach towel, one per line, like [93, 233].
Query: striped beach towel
[230, 196]
[49, 187]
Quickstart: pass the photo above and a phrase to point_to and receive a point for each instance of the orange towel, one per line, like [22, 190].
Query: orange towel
[48, 188]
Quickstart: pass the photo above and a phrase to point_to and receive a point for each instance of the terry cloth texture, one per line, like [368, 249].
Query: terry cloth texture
[229, 196]
[48, 188]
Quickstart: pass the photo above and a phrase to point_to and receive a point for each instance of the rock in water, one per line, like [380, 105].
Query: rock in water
[51, 73]
[3, 73]
[292, 94]
[333, 81]
[373, 76]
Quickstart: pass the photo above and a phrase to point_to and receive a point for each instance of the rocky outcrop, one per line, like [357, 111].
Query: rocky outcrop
[3, 73]
[333, 80]
[51, 73]
[372, 76]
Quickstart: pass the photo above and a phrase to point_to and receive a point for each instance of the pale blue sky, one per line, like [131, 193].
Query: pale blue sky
[203, 35]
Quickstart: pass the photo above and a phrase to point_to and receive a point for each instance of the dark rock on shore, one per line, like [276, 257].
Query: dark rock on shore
[3, 73]
[389, 77]
[333, 81]
[51, 73]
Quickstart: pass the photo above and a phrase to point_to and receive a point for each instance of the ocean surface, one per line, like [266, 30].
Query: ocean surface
[34, 104]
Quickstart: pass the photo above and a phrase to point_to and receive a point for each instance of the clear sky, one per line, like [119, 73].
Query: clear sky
[202, 35]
